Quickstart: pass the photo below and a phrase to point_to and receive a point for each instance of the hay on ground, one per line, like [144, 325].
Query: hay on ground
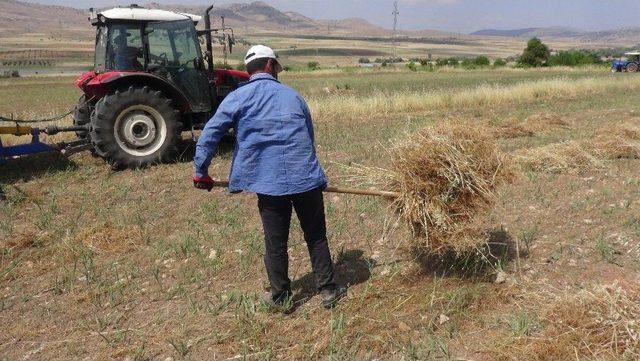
[568, 156]
[531, 126]
[619, 141]
[446, 177]
[600, 323]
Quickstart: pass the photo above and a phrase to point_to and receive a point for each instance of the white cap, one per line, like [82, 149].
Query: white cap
[259, 52]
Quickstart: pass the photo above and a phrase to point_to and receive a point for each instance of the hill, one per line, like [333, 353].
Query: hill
[17, 17]
[624, 36]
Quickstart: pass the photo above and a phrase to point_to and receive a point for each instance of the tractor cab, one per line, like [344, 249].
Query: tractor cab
[157, 42]
[151, 79]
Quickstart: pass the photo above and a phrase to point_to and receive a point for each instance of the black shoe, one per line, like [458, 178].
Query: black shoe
[330, 297]
[282, 302]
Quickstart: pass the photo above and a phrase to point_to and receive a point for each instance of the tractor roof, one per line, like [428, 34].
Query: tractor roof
[135, 13]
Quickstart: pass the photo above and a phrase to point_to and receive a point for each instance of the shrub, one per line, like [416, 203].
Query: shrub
[313, 65]
[468, 63]
[364, 61]
[412, 66]
[573, 58]
[241, 66]
[535, 54]
[222, 65]
[424, 62]
[499, 62]
[481, 61]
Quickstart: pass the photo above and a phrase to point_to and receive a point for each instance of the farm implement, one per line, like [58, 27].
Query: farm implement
[36, 146]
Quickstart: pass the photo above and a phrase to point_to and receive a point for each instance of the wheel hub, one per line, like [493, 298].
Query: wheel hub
[140, 130]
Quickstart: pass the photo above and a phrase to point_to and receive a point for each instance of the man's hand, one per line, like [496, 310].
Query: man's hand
[203, 182]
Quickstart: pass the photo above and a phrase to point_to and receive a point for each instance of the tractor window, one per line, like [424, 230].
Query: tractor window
[173, 44]
[100, 63]
[125, 50]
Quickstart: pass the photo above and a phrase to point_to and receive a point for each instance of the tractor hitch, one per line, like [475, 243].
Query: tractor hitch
[36, 146]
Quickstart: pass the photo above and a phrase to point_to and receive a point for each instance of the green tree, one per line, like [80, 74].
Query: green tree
[535, 54]
[313, 65]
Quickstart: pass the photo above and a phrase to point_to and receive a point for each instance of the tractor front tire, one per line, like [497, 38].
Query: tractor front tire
[632, 67]
[135, 128]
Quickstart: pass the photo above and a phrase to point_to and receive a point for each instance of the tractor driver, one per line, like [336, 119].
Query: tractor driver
[126, 57]
[274, 157]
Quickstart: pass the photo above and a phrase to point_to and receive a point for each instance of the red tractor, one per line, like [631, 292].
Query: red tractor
[150, 82]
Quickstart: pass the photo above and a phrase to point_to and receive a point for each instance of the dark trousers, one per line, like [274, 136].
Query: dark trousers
[275, 212]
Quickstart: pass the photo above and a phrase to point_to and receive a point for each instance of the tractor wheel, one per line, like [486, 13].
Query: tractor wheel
[632, 67]
[135, 128]
[82, 116]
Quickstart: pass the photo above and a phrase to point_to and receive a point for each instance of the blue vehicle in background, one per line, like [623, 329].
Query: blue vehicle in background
[631, 64]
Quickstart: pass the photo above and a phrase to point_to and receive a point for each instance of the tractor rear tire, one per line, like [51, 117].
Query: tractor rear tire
[82, 117]
[632, 67]
[135, 128]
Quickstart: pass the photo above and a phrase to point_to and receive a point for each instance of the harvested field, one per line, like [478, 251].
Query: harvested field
[96, 264]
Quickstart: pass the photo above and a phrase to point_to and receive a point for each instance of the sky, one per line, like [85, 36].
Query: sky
[463, 16]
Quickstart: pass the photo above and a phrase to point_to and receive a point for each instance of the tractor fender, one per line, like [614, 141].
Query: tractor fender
[105, 83]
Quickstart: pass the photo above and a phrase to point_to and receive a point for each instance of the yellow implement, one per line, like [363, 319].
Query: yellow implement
[16, 130]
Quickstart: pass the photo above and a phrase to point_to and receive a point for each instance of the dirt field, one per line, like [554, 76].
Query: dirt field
[138, 265]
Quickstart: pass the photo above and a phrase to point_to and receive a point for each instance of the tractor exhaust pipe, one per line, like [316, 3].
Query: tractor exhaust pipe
[207, 36]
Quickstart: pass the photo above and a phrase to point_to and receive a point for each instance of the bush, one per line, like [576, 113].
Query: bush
[481, 61]
[364, 61]
[573, 58]
[424, 62]
[499, 62]
[313, 65]
[287, 68]
[222, 65]
[412, 66]
[535, 54]
[241, 66]
[384, 64]
[468, 63]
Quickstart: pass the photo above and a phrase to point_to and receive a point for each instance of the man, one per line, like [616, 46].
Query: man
[275, 158]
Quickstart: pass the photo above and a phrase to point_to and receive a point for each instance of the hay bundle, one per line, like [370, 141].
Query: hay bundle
[568, 156]
[446, 177]
[619, 141]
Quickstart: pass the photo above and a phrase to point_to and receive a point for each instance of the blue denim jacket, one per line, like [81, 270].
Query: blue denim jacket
[275, 151]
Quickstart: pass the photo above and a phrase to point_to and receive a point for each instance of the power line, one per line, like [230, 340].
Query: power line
[395, 14]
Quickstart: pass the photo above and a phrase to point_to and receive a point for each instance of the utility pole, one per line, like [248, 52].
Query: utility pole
[395, 14]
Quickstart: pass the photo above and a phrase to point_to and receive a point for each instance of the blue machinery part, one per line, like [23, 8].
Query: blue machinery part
[36, 146]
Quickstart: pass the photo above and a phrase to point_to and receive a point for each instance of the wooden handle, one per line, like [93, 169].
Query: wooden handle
[361, 192]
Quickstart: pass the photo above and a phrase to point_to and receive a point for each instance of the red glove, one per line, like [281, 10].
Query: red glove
[203, 182]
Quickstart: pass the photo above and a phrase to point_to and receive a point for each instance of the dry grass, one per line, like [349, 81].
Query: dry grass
[531, 126]
[620, 141]
[446, 176]
[611, 142]
[599, 323]
[383, 103]
[568, 156]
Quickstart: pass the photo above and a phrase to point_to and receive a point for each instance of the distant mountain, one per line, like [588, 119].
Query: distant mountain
[625, 36]
[553, 32]
[19, 17]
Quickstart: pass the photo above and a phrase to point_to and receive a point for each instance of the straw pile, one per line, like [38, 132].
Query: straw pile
[619, 141]
[563, 157]
[596, 323]
[447, 178]
[531, 126]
